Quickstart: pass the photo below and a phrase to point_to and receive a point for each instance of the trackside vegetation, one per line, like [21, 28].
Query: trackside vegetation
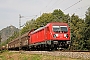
[80, 27]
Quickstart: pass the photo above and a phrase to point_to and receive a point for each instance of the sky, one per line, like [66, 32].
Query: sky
[31, 9]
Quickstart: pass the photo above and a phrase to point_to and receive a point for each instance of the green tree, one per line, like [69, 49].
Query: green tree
[87, 29]
[77, 28]
[87, 21]
[58, 15]
[44, 19]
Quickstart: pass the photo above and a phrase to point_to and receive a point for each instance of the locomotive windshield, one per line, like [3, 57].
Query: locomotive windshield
[60, 28]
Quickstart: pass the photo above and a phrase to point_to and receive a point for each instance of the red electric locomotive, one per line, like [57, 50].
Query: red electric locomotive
[52, 36]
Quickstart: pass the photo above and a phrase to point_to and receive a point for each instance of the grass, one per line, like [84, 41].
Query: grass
[22, 56]
[2, 57]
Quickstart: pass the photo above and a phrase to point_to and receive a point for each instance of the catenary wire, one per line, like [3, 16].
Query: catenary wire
[72, 5]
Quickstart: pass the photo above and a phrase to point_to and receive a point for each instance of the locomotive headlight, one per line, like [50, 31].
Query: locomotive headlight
[66, 35]
[55, 35]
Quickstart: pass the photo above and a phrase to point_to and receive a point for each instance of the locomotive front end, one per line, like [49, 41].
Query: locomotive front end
[61, 35]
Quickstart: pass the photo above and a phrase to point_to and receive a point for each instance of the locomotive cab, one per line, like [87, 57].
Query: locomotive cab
[59, 30]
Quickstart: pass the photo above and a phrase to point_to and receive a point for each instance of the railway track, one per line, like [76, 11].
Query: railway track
[71, 54]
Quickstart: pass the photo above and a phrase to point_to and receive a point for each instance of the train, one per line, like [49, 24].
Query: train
[53, 36]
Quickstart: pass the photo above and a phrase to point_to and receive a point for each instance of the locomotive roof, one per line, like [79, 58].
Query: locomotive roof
[38, 29]
[52, 23]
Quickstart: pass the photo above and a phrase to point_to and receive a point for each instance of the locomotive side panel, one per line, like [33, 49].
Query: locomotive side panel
[33, 38]
[48, 32]
[41, 35]
[38, 36]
